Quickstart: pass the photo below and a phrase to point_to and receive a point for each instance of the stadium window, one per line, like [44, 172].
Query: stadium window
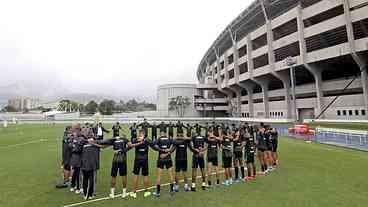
[231, 74]
[230, 59]
[288, 28]
[344, 112]
[270, 113]
[356, 112]
[331, 13]
[363, 112]
[278, 113]
[360, 29]
[242, 51]
[327, 39]
[259, 42]
[307, 3]
[350, 112]
[243, 68]
[291, 50]
[282, 113]
[338, 113]
[260, 61]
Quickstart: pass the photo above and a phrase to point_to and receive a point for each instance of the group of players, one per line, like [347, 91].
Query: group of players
[82, 144]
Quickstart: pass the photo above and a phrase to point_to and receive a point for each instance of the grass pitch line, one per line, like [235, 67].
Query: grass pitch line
[119, 195]
[24, 143]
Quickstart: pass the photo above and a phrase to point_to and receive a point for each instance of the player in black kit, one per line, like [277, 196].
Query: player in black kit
[250, 150]
[197, 146]
[226, 146]
[181, 160]
[165, 147]
[238, 145]
[213, 144]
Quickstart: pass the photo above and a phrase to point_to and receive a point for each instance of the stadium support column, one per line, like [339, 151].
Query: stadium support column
[249, 88]
[360, 61]
[316, 72]
[266, 103]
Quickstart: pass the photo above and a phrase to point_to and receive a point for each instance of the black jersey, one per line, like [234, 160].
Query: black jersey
[227, 146]
[189, 130]
[120, 147]
[180, 128]
[77, 149]
[274, 136]
[163, 143]
[198, 142]
[162, 127]
[145, 125]
[154, 130]
[198, 129]
[237, 145]
[249, 146]
[261, 140]
[141, 151]
[181, 148]
[133, 132]
[66, 150]
[212, 147]
[171, 129]
[116, 130]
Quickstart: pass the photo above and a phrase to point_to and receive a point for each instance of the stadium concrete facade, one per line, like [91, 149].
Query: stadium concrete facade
[177, 100]
[314, 50]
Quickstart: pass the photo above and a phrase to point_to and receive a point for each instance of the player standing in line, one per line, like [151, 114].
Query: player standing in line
[66, 156]
[181, 160]
[238, 145]
[226, 155]
[171, 129]
[213, 144]
[261, 148]
[250, 149]
[197, 146]
[144, 125]
[116, 130]
[163, 127]
[133, 131]
[119, 162]
[189, 130]
[165, 147]
[198, 129]
[141, 162]
[180, 128]
[76, 161]
[268, 152]
[274, 142]
[154, 131]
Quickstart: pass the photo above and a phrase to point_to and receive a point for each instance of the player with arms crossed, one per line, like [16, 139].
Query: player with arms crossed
[197, 146]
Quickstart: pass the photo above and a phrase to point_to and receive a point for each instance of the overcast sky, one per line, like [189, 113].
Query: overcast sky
[129, 47]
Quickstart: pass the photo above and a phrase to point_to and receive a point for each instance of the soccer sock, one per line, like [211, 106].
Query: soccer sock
[158, 188]
[265, 167]
[242, 171]
[249, 173]
[171, 186]
[124, 190]
[112, 191]
[236, 172]
[209, 182]
[193, 185]
[254, 171]
[218, 181]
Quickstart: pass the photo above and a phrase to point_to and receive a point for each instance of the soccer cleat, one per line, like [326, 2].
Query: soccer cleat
[230, 181]
[133, 195]
[193, 189]
[147, 194]
[124, 194]
[186, 188]
[72, 189]
[176, 188]
[156, 194]
[77, 191]
[111, 195]
[86, 197]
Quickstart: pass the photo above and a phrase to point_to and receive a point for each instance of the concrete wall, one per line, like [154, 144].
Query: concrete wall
[166, 92]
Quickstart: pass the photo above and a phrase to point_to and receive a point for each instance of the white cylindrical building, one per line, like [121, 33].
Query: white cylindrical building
[181, 97]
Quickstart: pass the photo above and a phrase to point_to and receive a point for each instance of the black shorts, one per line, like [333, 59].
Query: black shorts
[140, 165]
[269, 147]
[238, 155]
[181, 165]
[120, 167]
[164, 164]
[226, 162]
[249, 157]
[197, 162]
[274, 146]
[261, 149]
[213, 160]
[67, 167]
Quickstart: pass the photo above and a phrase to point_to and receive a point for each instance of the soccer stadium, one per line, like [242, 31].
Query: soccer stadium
[314, 50]
[234, 139]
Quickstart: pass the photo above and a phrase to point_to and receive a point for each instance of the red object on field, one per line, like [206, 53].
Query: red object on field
[301, 129]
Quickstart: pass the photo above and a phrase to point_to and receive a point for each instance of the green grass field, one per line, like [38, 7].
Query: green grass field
[308, 175]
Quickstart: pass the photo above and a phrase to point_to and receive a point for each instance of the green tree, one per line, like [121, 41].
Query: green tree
[107, 107]
[9, 109]
[179, 104]
[91, 107]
